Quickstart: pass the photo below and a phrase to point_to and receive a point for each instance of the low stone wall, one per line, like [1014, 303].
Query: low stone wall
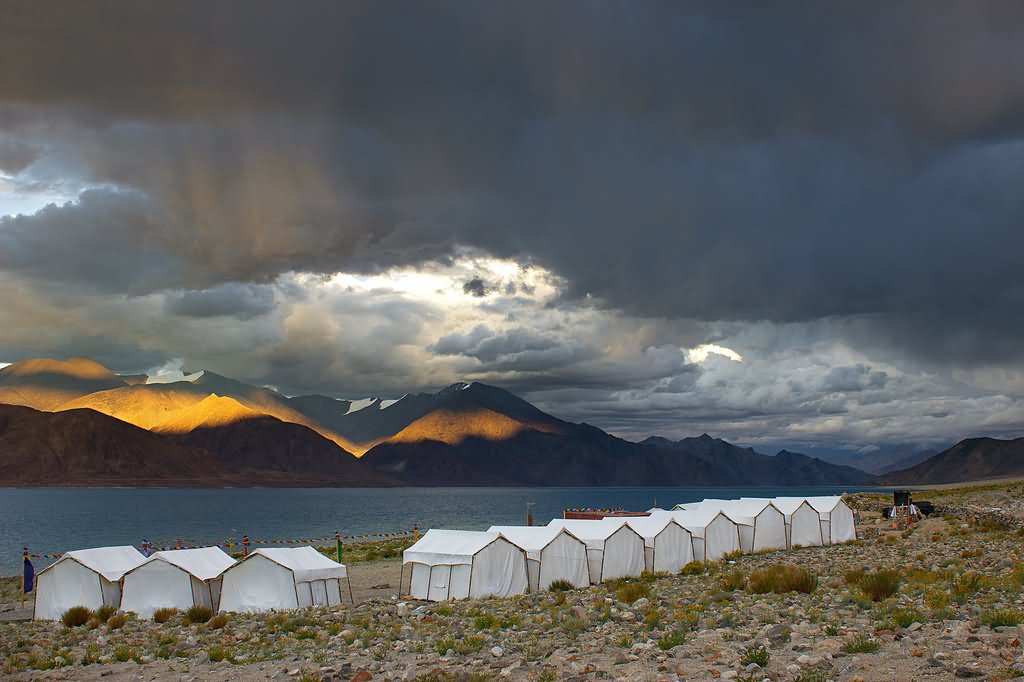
[975, 513]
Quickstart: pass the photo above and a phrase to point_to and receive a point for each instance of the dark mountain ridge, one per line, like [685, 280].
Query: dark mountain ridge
[972, 459]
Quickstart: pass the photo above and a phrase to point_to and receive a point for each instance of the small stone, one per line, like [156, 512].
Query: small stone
[964, 673]
[641, 603]
[203, 657]
[362, 676]
[914, 627]
[497, 651]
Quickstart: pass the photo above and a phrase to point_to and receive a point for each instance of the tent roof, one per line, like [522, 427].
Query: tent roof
[786, 505]
[741, 514]
[650, 526]
[591, 530]
[531, 538]
[203, 562]
[821, 503]
[696, 520]
[305, 562]
[110, 562]
[448, 546]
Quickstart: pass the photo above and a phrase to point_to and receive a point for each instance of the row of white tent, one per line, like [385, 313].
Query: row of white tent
[125, 579]
[510, 560]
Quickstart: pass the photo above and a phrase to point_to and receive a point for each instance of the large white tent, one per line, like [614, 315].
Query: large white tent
[803, 524]
[668, 546]
[837, 522]
[552, 554]
[83, 577]
[714, 534]
[614, 549]
[460, 564]
[177, 578]
[282, 578]
[761, 524]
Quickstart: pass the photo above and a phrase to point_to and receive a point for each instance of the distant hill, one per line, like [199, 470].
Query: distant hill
[83, 447]
[211, 428]
[878, 461]
[972, 459]
[44, 384]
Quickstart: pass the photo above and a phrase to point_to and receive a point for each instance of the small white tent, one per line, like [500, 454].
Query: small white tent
[614, 549]
[762, 525]
[803, 525]
[837, 524]
[178, 578]
[714, 533]
[551, 554]
[83, 577]
[460, 564]
[282, 578]
[668, 546]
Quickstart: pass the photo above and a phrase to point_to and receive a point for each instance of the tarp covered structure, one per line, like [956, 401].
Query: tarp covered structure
[762, 525]
[552, 554]
[714, 534]
[803, 524]
[177, 578]
[668, 546]
[614, 549]
[83, 577]
[283, 578]
[460, 564]
[837, 522]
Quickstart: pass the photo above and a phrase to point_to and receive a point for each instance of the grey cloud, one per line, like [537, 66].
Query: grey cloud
[475, 287]
[237, 300]
[857, 377]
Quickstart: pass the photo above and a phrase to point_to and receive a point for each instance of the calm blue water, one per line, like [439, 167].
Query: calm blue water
[59, 519]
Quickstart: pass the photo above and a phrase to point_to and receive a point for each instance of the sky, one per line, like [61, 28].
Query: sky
[786, 224]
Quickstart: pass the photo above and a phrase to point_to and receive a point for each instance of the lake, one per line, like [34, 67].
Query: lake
[54, 520]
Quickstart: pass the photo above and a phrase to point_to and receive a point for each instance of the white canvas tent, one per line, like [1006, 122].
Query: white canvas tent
[762, 525]
[803, 524]
[282, 578]
[551, 554]
[460, 564]
[837, 524]
[668, 546]
[614, 549]
[83, 577]
[714, 534]
[178, 578]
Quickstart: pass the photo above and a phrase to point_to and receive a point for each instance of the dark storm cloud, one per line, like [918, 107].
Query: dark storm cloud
[475, 287]
[236, 300]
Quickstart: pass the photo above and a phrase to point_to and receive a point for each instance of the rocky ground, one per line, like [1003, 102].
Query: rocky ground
[940, 601]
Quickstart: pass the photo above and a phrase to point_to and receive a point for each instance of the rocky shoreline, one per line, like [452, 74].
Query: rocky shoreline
[955, 613]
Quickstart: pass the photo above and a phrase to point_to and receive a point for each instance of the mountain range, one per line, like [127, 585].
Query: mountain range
[74, 422]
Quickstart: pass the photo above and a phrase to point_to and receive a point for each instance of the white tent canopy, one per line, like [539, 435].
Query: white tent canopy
[83, 577]
[837, 523]
[714, 534]
[459, 564]
[282, 578]
[762, 526]
[552, 554]
[803, 525]
[614, 549]
[668, 546]
[177, 578]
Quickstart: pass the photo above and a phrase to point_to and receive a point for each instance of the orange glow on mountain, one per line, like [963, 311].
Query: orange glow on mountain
[210, 412]
[143, 406]
[453, 427]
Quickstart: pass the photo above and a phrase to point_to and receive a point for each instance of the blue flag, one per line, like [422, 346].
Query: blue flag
[30, 576]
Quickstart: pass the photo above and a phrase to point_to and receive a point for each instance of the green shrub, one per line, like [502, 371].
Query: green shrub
[965, 585]
[904, 618]
[853, 577]
[630, 592]
[219, 653]
[76, 616]
[732, 556]
[671, 640]
[936, 599]
[861, 644]
[560, 586]
[1017, 575]
[757, 655]
[880, 584]
[782, 578]
[811, 676]
[105, 612]
[164, 615]
[117, 621]
[198, 614]
[123, 654]
[218, 621]
[997, 617]
[734, 580]
[693, 568]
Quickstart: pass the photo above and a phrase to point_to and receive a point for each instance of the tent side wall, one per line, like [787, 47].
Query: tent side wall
[499, 569]
[841, 524]
[673, 549]
[623, 554]
[721, 536]
[258, 584]
[746, 537]
[805, 527]
[564, 558]
[155, 585]
[769, 530]
[66, 584]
